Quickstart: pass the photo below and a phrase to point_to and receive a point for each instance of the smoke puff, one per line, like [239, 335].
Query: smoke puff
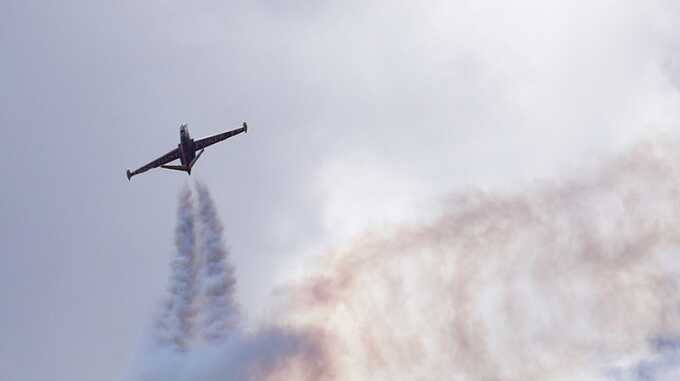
[271, 353]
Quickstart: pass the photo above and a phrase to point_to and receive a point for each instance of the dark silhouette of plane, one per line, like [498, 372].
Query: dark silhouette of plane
[186, 151]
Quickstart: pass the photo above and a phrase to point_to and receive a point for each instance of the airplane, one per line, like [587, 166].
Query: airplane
[186, 151]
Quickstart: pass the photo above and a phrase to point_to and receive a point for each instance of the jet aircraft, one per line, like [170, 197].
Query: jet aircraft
[186, 151]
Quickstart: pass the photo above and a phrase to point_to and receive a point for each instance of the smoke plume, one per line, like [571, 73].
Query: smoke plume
[202, 288]
[220, 311]
[570, 281]
[562, 282]
[174, 327]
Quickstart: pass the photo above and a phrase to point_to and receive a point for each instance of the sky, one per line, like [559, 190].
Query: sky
[362, 115]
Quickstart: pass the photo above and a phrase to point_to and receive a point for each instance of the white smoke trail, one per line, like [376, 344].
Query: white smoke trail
[231, 354]
[220, 312]
[165, 357]
[174, 327]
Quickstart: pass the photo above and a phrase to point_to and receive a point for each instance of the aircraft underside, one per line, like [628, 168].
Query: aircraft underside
[188, 151]
[185, 167]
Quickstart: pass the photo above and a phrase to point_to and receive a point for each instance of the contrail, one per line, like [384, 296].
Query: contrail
[174, 327]
[220, 312]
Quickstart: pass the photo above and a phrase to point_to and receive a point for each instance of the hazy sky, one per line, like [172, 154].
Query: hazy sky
[361, 113]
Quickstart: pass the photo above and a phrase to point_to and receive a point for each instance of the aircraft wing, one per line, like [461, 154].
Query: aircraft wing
[168, 157]
[210, 140]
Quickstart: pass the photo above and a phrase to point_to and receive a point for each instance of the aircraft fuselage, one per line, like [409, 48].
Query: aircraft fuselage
[187, 149]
